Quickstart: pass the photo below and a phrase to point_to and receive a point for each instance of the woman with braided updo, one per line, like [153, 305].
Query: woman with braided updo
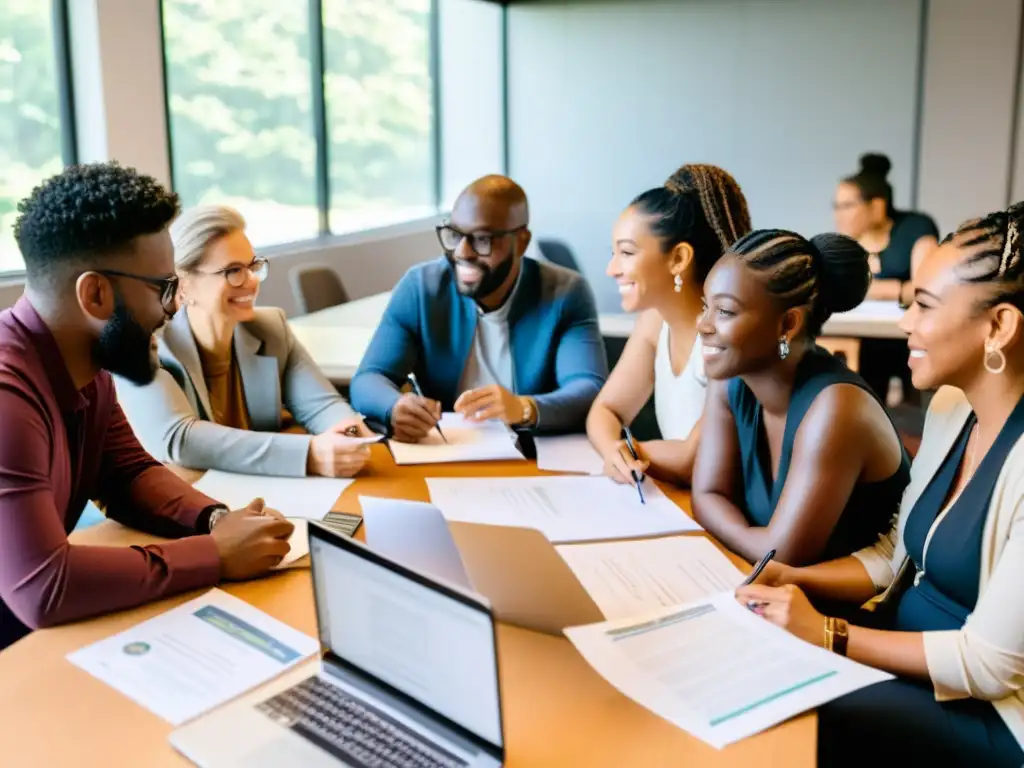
[663, 246]
[797, 454]
[896, 242]
[950, 622]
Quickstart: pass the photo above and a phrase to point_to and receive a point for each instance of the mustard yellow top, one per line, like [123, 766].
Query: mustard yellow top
[227, 395]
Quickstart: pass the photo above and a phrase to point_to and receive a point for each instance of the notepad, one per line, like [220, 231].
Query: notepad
[564, 509]
[466, 441]
[302, 497]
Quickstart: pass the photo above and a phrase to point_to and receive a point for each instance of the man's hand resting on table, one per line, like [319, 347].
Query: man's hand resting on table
[493, 402]
[251, 541]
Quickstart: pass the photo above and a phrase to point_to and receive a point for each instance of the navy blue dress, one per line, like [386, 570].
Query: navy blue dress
[871, 507]
[904, 712]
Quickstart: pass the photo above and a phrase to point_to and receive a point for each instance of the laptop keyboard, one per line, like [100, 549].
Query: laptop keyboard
[351, 730]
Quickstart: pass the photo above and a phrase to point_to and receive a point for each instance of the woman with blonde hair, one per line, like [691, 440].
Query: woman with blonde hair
[232, 375]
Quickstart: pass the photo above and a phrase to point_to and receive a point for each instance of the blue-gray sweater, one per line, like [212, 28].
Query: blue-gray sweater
[558, 357]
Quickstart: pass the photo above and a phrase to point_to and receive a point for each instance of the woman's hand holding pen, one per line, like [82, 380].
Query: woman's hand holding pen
[786, 607]
[332, 454]
[620, 465]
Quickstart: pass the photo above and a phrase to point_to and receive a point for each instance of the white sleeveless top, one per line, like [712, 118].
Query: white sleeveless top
[678, 400]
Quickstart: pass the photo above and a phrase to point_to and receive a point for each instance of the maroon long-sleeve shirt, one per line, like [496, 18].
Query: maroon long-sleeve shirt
[59, 448]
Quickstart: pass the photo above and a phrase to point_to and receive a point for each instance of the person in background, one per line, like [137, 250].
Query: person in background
[896, 242]
[228, 369]
[663, 246]
[487, 333]
[797, 454]
[950, 619]
[100, 282]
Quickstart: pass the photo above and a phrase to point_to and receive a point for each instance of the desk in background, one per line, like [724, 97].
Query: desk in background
[337, 338]
[557, 710]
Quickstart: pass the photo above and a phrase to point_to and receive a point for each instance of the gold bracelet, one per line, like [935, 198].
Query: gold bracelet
[840, 635]
[829, 630]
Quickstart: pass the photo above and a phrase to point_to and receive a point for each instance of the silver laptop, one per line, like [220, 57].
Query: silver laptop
[408, 676]
[517, 569]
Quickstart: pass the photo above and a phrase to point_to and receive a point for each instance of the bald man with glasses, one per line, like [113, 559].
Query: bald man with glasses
[486, 332]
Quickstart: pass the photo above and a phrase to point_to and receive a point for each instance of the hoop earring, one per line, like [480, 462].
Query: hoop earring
[678, 284]
[991, 350]
[783, 348]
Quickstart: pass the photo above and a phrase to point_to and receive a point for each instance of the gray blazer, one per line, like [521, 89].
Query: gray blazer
[173, 419]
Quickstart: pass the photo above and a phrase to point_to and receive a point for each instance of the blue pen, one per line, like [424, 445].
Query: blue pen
[418, 391]
[637, 478]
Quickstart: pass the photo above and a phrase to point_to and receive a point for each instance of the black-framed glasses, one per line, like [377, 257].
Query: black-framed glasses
[167, 286]
[481, 242]
[237, 274]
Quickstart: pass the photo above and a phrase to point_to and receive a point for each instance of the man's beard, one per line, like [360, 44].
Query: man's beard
[124, 347]
[491, 280]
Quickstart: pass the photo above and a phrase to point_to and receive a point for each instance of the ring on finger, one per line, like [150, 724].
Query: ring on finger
[757, 606]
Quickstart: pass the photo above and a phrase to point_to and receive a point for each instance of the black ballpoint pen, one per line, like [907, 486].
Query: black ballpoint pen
[418, 391]
[637, 477]
[762, 563]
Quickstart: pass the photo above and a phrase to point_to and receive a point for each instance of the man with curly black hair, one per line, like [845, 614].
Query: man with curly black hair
[100, 282]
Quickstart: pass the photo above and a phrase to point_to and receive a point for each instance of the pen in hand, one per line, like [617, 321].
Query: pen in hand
[416, 388]
[761, 564]
[755, 605]
[637, 477]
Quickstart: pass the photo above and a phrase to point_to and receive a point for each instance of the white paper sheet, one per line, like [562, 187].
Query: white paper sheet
[628, 578]
[467, 441]
[299, 542]
[715, 669]
[195, 657]
[564, 509]
[568, 453]
[306, 497]
[414, 534]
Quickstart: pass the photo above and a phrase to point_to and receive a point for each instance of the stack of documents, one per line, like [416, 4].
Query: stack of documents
[717, 670]
[195, 657]
[568, 453]
[463, 440]
[564, 509]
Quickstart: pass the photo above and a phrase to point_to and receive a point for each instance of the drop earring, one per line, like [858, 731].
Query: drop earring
[1000, 366]
[783, 348]
[678, 283]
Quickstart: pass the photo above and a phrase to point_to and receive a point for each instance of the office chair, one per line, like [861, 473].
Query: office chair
[558, 253]
[316, 287]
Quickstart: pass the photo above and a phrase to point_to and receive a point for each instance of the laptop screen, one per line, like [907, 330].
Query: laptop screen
[432, 646]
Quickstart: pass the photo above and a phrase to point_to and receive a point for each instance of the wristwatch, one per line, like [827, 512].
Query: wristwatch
[529, 412]
[216, 513]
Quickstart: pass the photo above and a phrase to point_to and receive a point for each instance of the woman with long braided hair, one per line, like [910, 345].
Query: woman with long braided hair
[663, 246]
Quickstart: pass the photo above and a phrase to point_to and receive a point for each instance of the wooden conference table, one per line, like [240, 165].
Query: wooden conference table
[557, 711]
[337, 337]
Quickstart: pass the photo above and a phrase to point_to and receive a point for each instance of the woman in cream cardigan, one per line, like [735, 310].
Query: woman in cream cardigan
[950, 623]
[228, 370]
